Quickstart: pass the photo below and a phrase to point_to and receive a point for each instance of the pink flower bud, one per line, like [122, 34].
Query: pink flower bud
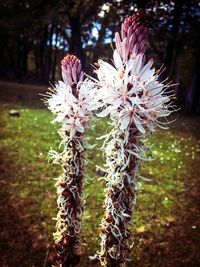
[133, 36]
[71, 70]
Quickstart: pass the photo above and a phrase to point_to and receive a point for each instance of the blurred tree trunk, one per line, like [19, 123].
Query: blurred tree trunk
[142, 4]
[48, 59]
[22, 58]
[55, 52]
[42, 50]
[172, 49]
[75, 44]
[193, 96]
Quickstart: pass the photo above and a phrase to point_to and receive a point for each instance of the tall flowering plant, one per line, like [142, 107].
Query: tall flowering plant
[70, 101]
[131, 93]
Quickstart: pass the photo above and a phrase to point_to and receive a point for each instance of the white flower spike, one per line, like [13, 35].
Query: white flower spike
[71, 103]
[131, 93]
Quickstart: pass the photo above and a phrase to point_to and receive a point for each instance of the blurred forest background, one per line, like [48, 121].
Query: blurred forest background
[36, 34]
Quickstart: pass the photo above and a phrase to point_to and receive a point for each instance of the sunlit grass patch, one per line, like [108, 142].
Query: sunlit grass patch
[28, 178]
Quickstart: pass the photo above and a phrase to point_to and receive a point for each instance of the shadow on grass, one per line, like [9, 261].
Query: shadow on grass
[177, 244]
[21, 239]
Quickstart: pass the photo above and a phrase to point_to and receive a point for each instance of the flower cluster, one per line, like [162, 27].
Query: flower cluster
[70, 101]
[131, 93]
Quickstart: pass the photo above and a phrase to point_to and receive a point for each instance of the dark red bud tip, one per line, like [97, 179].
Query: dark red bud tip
[68, 205]
[63, 184]
[66, 242]
[65, 193]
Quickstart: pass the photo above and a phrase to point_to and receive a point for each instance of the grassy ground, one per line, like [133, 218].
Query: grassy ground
[167, 217]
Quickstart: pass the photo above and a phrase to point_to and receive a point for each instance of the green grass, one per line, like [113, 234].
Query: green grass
[166, 230]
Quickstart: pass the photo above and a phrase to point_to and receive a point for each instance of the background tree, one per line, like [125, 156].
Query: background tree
[35, 35]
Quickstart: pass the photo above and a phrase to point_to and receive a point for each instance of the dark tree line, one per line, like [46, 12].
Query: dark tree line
[36, 34]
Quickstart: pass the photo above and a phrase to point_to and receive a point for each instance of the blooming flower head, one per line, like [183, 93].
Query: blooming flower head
[70, 100]
[131, 91]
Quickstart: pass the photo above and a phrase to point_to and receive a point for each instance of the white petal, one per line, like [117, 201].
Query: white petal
[80, 128]
[147, 75]
[138, 63]
[158, 101]
[59, 118]
[124, 122]
[147, 67]
[116, 104]
[139, 125]
[117, 60]
[103, 113]
[155, 89]
[118, 42]
[130, 64]
[104, 66]
[151, 126]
